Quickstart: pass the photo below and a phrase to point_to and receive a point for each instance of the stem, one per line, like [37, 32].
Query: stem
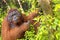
[6, 4]
[20, 6]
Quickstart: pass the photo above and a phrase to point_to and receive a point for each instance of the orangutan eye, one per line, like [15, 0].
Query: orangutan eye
[15, 18]
[9, 18]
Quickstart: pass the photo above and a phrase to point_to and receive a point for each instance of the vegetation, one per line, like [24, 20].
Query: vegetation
[49, 28]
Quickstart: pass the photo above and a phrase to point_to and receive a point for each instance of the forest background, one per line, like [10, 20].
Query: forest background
[49, 17]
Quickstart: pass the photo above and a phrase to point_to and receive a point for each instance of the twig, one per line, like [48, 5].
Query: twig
[6, 4]
[20, 6]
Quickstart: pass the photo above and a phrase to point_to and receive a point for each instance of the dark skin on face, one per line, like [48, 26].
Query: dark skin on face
[17, 31]
[15, 17]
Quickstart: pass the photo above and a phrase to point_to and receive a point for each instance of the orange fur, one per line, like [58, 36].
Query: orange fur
[18, 31]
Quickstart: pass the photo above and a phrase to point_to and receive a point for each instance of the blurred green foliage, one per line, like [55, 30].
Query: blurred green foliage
[49, 28]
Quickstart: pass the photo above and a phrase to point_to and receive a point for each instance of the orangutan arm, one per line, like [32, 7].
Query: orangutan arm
[5, 30]
[31, 16]
[18, 31]
[14, 33]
